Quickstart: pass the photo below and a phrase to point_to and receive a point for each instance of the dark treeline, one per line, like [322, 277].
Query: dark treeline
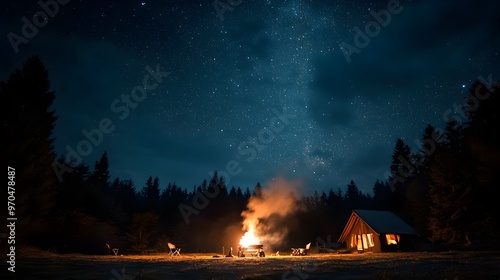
[448, 190]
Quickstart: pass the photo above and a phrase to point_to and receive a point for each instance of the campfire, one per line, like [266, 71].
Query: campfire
[265, 216]
[249, 238]
[250, 244]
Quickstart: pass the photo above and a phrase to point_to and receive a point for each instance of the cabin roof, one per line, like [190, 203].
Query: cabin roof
[381, 222]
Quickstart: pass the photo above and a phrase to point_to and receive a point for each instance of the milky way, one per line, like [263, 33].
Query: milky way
[235, 70]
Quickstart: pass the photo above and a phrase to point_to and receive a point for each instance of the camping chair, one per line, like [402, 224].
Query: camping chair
[174, 251]
[306, 250]
[115, 250]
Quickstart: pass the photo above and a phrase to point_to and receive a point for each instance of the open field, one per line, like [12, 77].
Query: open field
[424, 265]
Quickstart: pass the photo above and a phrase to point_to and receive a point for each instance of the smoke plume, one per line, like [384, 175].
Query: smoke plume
[267, 214]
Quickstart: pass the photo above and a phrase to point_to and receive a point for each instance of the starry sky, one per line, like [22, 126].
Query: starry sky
[258, 89]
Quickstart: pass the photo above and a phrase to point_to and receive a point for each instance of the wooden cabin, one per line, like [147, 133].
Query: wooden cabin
[377, 231]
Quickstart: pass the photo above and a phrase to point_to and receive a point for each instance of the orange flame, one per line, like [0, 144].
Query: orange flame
[249, 238]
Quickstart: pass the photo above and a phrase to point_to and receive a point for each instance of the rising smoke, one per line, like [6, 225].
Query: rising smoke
[267, 214]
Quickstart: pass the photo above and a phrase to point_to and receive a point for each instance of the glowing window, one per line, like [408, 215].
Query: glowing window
[365, 242]
[354, 242]
[362, 241]
[392, 239]
[371, 243]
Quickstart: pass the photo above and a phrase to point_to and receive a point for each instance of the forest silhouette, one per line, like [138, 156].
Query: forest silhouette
[448, 190]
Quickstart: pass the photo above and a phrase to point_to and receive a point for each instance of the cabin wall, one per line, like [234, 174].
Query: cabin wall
[358, 238]
[406, 243]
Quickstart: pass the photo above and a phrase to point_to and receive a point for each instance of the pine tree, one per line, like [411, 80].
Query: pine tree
[127, 195]
[353, 195]
[401, 166]
[28, 144]
[459, 211]
[73, 192]
[481, 138]
[100, 177]
[415, 200]
[402, 170]
[454, 136]
[453, 214]
[247, 194]
[339, 194]
[241, 200]
[257, 192]
[232, 194]
[381, 195]
[151, 193]
[482, 105]
[99, 190]
[430, 141]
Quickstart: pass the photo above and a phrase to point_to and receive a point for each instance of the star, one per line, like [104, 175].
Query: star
[228, 79]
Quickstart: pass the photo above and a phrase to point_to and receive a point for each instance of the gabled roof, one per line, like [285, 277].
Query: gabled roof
[380, 222]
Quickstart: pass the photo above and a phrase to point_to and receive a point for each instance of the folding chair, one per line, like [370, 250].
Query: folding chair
[115, 250]
[174, 251]
[306, 250]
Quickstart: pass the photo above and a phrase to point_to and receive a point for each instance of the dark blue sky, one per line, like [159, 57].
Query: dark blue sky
[230, 81]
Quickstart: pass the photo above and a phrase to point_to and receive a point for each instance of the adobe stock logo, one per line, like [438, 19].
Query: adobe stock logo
[372, 29]
[221, 7]
[30, 28]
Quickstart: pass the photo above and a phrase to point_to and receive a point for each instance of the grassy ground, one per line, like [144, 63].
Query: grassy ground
[32, 264]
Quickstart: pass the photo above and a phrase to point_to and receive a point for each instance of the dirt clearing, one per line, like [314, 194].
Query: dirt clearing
[443, 265]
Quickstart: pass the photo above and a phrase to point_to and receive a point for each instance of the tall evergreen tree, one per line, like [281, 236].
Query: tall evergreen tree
[339, 193]
[28, 143]
[100, 177]
[151, 193]
[232, 194]
[481, 138]
[454, 136]
[127, 195]
[353, 195]
[73, 192]
[257, 191]
[481, 107]
[101, 201]
[455, 215]
[459, 210]
[402, 170]
[401, 166]
[247, 194]
[430, 141]
[416, 200]
[381, 195]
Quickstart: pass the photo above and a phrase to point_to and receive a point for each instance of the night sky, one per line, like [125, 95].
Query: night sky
[264, 86]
